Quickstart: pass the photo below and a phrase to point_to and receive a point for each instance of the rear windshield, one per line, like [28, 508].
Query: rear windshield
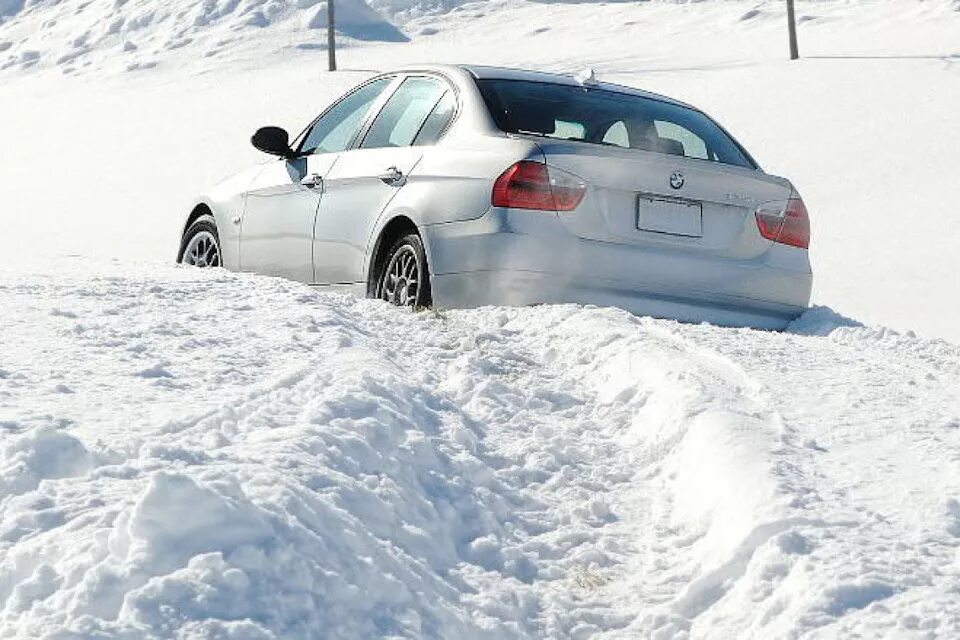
[598, 116]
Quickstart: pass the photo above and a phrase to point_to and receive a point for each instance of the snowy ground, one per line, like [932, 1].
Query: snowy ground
[211, 455]
[200, 454]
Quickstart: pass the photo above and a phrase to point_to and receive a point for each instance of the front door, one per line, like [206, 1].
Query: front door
[277, 224]
[276, 234]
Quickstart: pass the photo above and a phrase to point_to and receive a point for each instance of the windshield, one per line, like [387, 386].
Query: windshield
[599, 116]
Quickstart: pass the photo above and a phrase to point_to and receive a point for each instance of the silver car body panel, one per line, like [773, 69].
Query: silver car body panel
[722, 271]
[511, 257]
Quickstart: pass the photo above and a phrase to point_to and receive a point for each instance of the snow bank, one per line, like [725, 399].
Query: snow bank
[313, 465]
[73, 36]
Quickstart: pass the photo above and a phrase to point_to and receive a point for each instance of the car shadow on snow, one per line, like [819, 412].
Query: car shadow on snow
[820, 321]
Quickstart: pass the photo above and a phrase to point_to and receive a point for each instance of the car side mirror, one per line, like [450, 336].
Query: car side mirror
[273, 140]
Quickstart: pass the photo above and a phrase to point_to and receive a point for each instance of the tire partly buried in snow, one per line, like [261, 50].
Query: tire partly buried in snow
[406, 282]
[200, 245]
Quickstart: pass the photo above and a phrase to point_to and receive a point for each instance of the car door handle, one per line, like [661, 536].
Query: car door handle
[391, 176]
[312, 180]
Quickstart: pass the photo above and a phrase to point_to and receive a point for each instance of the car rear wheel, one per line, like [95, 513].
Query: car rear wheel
[200, 246]
[405, 279]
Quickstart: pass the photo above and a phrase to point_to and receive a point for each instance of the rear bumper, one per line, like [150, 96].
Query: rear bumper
[522, 258]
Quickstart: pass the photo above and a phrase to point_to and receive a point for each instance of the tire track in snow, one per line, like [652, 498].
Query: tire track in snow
[609, 408]
[869, 406]
[714, 458]
[546, 472]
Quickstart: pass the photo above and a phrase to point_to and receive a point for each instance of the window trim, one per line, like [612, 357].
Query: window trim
[402, 78]
[619, 90]
[303, 135]
[445, 128]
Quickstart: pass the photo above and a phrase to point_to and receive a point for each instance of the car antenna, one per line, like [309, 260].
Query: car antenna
[586, 77]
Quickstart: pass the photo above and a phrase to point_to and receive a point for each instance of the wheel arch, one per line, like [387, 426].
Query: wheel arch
[199, 209]
[396, 227]
[227, 233]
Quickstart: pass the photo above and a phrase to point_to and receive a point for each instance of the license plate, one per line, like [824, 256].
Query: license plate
[671, 216]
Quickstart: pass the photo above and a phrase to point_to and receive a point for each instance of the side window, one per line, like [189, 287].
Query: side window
[617, 135]
[693, 145]
[336, 128]
[569, 130]
[405, 113]
[438, 120]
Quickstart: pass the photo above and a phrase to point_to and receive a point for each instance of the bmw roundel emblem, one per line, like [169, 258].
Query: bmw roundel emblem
[676, 180]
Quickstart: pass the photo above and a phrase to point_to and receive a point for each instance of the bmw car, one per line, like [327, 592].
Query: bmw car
[461, 186]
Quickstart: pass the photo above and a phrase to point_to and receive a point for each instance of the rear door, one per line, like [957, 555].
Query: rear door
[366, 178]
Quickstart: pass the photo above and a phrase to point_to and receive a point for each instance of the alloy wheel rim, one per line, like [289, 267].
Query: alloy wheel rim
[202, 250]
[401, 279]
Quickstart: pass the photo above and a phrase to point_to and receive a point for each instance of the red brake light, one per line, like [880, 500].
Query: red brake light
[532, 185]
[790, 226]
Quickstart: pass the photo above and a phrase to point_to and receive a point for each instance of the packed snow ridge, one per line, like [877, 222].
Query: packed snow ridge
[194, 453]
[73, 36]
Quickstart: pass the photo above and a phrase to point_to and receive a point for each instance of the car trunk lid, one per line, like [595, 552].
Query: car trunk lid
[666, 201]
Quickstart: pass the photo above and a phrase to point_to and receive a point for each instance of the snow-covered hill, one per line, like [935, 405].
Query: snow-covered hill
[75, 36]
[207, 455]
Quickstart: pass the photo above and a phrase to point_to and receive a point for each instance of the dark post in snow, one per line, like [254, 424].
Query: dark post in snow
[792, 25]
[331, 38]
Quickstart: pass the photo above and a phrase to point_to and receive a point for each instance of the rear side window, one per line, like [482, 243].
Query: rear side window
[600, 116]
[405, 113]
[438, 120]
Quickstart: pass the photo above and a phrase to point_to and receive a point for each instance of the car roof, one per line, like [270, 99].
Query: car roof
[483, 72]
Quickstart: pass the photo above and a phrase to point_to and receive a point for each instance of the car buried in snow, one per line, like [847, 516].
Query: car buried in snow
[461, 186]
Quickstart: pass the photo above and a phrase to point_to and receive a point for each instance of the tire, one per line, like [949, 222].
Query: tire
[404, 280]
[200, 245]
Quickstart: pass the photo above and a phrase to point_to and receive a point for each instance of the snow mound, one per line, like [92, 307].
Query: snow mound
[74, 36]
[40, 454]
[321, 466]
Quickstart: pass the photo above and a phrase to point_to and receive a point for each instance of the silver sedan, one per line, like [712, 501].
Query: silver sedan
[459, 186]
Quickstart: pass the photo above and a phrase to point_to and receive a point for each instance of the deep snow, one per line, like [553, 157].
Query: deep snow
[210, 455]
[204, 454]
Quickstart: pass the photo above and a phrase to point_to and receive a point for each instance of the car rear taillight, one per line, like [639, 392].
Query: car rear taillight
[533, 185]
[788, 226]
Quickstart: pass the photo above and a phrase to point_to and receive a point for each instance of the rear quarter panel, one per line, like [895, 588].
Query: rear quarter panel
[454, 181]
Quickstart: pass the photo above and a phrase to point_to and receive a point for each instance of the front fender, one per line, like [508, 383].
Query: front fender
[226, 201]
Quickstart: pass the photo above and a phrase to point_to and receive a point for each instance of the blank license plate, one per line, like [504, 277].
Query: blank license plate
[674, 217]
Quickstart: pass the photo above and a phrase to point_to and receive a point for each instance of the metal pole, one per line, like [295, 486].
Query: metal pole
[792, 24]
[331, 38]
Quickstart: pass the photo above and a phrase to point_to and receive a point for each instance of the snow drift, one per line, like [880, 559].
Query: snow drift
[202, 454]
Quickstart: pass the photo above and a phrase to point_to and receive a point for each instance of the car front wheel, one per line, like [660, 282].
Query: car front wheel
[200, 246]
[405, 279]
